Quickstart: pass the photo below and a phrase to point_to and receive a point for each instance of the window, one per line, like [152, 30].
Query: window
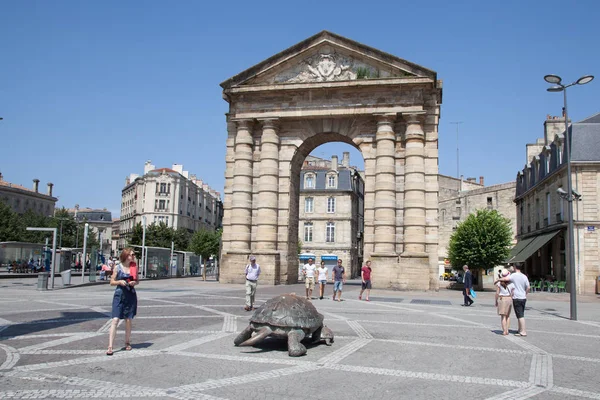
[490, 204]
[331, 205]
[309, 181]
[562, 210]
[308, 232]
[331, 181]
[330, 232]
[548, 205]
[161, 205]
[163, 188]
[308, 205]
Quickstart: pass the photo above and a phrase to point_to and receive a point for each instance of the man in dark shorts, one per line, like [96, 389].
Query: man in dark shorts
[365, 273]
[339, 278]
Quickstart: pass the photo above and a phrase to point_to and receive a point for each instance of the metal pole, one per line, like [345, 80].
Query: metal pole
[171, 258]
[53, 256]
[457, 155]
[85, 235]
[571, 249]
[143, 267]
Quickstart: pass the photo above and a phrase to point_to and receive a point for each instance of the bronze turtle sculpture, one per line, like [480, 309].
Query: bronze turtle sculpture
[286, 316]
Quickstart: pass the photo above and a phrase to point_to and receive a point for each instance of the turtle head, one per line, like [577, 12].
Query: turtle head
[327, 335]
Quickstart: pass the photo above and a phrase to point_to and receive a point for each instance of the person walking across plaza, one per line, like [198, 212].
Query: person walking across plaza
[322, 271]
[366, 280]
[519, 296]
[124, 304]
[309, 269]
[339, 278]
[252, 271]
[468, 285]
[504, 293]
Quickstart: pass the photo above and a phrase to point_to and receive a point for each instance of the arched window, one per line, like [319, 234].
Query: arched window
[330, 232]
[331, 205]
[308, 232]
[308, 205]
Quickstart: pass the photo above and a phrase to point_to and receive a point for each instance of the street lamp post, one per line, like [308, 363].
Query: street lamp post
[559, 87]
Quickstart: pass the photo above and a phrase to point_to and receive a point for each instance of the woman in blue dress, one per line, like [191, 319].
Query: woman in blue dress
[124, 304]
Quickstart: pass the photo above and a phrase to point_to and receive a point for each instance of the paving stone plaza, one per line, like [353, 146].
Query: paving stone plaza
[409, 345]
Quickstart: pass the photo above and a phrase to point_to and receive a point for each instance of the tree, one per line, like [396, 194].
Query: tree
[161, 235]
[9, 224]
[206, 243]
[482, 241]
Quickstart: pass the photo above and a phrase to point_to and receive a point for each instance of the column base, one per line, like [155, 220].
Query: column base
[407, 272]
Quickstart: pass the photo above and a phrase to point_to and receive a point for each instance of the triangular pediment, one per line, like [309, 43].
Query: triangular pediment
[327, 57]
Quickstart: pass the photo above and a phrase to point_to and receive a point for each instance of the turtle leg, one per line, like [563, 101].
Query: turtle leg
[316, 336]
[327, 335]
[260, 335]
[295, 348]
[243, 336]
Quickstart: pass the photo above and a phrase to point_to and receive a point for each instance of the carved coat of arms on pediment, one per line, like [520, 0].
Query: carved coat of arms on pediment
[325, 66]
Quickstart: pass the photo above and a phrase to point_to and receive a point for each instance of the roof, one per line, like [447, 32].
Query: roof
[585, 139]
[335, 40]
[19, 187]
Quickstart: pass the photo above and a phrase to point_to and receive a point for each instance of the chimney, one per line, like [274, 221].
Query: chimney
[36, 183]
[481, 180]
[50, 188]
[0, 176]
[346, 159]
[127, 181]
[334, 163]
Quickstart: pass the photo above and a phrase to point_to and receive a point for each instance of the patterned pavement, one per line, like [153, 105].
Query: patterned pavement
[405, 345]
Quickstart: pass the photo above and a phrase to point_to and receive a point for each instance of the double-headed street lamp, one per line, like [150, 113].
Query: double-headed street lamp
[559, 87]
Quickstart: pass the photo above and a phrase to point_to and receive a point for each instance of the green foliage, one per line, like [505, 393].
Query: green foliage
[206, 243]
[482, 241]
[9, 224]
[161, 235]
[300, 244]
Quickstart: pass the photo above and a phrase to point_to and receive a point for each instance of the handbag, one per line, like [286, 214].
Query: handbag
[472, 293]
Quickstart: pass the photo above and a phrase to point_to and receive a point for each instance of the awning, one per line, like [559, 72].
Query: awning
[325, 257]
[518, 247]
[533, 246]
[306, 256]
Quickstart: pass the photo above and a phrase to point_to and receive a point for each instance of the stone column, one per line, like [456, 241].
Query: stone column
[268, 187]
[385, 187]
[241, 205]
[414, 188]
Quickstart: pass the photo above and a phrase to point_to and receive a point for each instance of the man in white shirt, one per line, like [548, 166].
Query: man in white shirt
[309, 270]
[522, 287]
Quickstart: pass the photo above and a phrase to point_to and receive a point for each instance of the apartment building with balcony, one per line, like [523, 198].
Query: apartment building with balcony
[171, 196]
[542, 210]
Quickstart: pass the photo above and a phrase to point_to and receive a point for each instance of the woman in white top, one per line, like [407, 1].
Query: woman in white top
[504, 292]
[322, 270]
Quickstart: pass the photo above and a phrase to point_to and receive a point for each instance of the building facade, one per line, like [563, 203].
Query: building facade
[20, 199]
[542, 217]
[326, 89]
[459, 198]
[171, 196]
[99, 224]
[331, 214]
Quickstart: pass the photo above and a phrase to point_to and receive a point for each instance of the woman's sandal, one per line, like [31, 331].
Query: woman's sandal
[127, 346]
[109, 352]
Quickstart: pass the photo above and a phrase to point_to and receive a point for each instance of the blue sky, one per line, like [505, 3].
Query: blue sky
[90, 90]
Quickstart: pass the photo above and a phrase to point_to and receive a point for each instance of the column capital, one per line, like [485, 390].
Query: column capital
[243, 123]
[413, 118]
[269, 123]
[385, 118]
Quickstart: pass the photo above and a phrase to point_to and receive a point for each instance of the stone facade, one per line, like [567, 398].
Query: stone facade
[20, 199]
[326, 89]
[171, 196]
[459, 198]
[331, 213]
[100, 225]
[542, 211]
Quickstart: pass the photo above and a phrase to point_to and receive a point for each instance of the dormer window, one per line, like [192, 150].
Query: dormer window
[309, 181]
[332, 181]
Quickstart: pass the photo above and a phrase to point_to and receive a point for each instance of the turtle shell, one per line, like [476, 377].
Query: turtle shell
[288, 310]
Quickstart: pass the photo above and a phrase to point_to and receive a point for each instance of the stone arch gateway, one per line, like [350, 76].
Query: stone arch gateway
[329, 88]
